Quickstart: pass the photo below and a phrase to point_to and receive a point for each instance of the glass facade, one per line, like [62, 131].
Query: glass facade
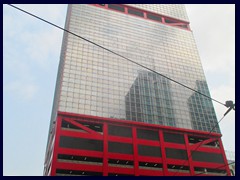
[95, 82]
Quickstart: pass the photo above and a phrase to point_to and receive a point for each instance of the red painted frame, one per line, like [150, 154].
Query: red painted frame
[105, 169]
[177, 22]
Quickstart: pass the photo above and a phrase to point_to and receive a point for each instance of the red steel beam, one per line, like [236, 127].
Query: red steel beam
[135, 157]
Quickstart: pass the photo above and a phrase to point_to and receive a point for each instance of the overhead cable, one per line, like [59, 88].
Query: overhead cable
[134, 62]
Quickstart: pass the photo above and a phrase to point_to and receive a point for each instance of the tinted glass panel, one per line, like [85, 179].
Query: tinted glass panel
[78, 143]
[207, 157]
[137, 13]
[147, 134]
[117, 147]
[170, 21]
[120, 131]
[183, 26]
[174, 138]
[154, 17]
[149, 151]
[176, 153]
[116, 7]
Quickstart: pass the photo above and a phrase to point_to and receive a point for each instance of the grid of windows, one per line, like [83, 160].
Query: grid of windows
[96, 82]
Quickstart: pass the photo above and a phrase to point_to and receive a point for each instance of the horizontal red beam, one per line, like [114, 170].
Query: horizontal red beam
[79, 134]
[208, 149]
[146, 172]
[178, 173]
[137, 124]
[208, 165]
[120, 156]
[148, 142]
[79, 167]
[120, 170]
[149, 159]
[75, 152]
[119, 139]
[174, 145]
[177, 162]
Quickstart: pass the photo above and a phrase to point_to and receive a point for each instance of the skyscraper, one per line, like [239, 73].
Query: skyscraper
[94, 83]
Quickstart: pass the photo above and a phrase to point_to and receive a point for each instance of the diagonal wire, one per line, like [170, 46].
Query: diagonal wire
[117, 54]
[195, 149]
[131, 62]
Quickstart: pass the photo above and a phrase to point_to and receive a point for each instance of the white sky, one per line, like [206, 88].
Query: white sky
[214, 31]
[31, 51]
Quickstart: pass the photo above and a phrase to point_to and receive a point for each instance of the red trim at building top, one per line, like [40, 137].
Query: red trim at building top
[134, 123]
[148, 15]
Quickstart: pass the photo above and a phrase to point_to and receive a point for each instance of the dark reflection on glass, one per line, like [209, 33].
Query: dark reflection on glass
[150, 100]
[201, 109]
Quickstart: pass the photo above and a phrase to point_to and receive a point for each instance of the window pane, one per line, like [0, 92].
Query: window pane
[137, 13]
[176, 153]
[154, 17]
[117, 147]
[173, 138]
[116, 7]
[149, 151]
[147, 134]
[207, 157]
[120, 131]
[79, 143]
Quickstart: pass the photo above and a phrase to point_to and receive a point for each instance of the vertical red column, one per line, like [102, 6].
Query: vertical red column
[56, 144]
[105, 149]
[163, 20]
[135, 151]
[125, 10]
[145, 15]
[191, 168]
[224, 157]
[164, 158]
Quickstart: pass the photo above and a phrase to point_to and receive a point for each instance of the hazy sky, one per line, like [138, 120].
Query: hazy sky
[31, 51]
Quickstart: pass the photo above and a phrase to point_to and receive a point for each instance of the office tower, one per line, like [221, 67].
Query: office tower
[107, 110]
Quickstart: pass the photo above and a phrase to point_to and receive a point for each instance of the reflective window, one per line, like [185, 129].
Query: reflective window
[116, 7]
[154, 17]
[135, 12]
[176, 153]
[116, 147]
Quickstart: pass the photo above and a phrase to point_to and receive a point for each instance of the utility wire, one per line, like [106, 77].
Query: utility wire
[228, 104]
[116, 54]
[131, 62]
[195, 149]
[217, 168]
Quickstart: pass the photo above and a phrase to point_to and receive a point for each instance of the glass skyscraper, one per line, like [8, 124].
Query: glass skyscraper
[94, 82]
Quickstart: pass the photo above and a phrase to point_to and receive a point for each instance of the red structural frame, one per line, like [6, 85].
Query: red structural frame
[105, 169]
[174, 22]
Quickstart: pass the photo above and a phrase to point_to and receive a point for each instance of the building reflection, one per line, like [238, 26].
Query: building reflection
[201, 109]
[150, 100]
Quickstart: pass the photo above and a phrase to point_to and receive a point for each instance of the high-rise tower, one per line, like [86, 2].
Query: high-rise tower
[99, 94]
